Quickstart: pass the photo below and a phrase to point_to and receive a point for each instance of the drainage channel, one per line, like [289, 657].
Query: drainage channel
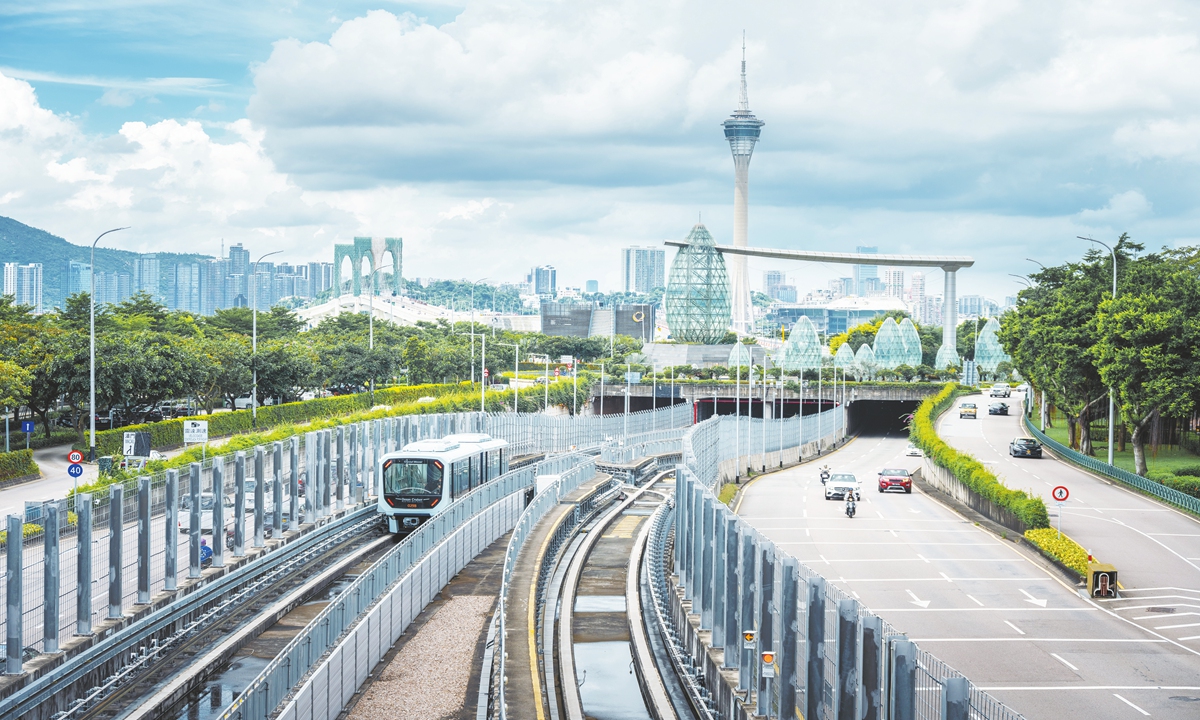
[602, 652]
[210, 698]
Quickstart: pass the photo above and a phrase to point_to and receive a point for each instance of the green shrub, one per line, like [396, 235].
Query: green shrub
[1192, 470]
[968, 470]
[1184, 483]
[17, 463]
[728, 490]
[1060, 547]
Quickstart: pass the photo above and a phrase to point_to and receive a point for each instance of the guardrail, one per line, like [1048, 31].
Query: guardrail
[1171, 495]
[730, 572]
[626, 450]
[537, 509]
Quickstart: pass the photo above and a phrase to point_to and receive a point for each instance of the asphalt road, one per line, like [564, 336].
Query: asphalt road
[974, 600]
[1155, 548]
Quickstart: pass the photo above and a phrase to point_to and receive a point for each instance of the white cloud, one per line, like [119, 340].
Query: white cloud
[1121, 208]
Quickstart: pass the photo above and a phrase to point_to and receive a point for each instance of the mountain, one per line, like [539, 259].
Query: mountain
[23, 244]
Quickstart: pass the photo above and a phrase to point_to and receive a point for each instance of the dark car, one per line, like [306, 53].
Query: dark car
[895, 479]
[998, 409]
[1025, 447]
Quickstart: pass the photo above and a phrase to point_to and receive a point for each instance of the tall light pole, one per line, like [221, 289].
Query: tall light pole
[254, 337]
[371, 325]
[473, 330]
[516, 369]
[1111, 403]
[92, 324]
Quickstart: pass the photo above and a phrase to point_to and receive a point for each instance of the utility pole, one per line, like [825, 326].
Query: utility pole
[92, 324]
[1111, 402]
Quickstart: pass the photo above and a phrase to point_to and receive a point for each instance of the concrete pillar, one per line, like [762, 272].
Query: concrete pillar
[708, 559]
[171, 533]
[16, 600]
[327, 473]
[956, 699]
[720, 567]
[116, 532]
[239, 504]
[260, 496]
[680, 511]
[747, 577]
[950, 311]
[310, 476]
[871, 642]
[732, 640]
[277, 488]
[352, 466]
[194, 521]
[143, 541]
[766, 621]
[218, 524]
[340, 471]
[846, 697]
[790, 679]
[50, 579]
[294, 484]
[904, 680]
[814, 637]
[83, 567]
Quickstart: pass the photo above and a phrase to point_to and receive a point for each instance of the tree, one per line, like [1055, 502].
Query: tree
[228, 374]
[286, 368]
[1148, 347]
[14, 384]
[278, 322]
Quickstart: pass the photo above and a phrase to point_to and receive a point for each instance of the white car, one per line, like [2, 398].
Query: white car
[206, 515]
[1001, 390]
[913, 451]
[839, 485]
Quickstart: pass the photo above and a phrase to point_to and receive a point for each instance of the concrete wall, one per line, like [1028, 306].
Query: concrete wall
[944, 480]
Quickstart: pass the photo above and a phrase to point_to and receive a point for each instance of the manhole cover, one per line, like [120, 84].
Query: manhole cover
[1161, 610]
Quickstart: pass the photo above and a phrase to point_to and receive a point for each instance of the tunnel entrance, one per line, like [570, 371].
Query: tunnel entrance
[755, 407]
[881, 417]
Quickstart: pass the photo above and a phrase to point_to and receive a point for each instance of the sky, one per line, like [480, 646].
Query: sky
[493, 137]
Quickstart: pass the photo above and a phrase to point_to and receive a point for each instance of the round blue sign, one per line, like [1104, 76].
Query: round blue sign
[75, 470]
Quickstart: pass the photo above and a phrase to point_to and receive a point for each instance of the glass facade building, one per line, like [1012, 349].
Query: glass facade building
[697, 297]
[988, 353]
[864, 360]
[802, 351]
[890, 352]
[912, 343]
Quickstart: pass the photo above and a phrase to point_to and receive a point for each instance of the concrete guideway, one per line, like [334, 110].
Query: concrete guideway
[1003, 618]
[1155, 548]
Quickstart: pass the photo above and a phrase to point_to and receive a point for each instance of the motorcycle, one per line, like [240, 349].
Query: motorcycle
[824, 474]
[850, 507]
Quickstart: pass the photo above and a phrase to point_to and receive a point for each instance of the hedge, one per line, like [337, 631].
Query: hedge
[1186, 479]
[1060, 547]
[968, 470]
[60, 436]
[169, 433]
[17, 463]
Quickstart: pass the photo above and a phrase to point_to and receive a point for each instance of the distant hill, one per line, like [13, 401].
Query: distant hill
[23, 244]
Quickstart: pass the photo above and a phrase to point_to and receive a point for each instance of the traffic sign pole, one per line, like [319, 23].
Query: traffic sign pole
[1060, 493]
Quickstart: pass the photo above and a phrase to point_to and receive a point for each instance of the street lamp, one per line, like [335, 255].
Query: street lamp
[371, 325]
[92, 323]
[516, 369]
[1023, 279]
[1035, 262]
[473, 330]
[254, 337]
[1111, 403]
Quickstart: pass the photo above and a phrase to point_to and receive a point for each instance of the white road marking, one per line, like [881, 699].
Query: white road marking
[1031, 599]
[879, 514]
[1037, 639]
[1091, 687]
[947, 577]
[893, 532]
[1172, 627]
[854, 594]
[1191, 637]
[916, 600]
[976, 601]
[1135, 707]
[1014, 627]
[923, 557]
[823, 559]
[1059, 658]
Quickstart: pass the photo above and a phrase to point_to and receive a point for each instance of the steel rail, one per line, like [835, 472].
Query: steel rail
[119, 644]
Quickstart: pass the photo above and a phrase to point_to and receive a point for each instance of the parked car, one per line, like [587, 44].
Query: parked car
[1025, 447]
[967, 410]
[998, 408]
[1001, 390]
[206, 516]
[840, 484]
[895, 479]
[913, 451]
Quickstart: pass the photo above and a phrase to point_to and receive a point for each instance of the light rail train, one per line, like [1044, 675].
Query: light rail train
[426, 476]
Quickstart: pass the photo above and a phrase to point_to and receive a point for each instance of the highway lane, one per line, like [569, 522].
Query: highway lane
[1155, 548]
[973, 599]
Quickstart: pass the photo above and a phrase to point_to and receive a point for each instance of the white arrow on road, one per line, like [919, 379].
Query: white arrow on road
[1031, 599]
[916, 600]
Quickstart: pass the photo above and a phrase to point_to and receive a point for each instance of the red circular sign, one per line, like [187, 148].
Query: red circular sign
[1060, 493]
[74, 457]
[555, 372]
[485, 372]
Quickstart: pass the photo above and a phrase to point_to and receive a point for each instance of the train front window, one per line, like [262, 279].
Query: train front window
[409, 476]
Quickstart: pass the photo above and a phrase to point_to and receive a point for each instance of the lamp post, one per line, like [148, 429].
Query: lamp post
[1022, 278]
[1111, 403]
[92, 351]
[473, 331]
[516, 369]
[254, 337]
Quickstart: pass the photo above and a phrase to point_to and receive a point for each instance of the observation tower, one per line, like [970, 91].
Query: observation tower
[741, 130]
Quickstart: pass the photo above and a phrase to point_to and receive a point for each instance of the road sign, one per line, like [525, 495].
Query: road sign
[74, 457]
[768, 664]
[1060, 493]
[136, 444]
[555, 372]
[26, 426]
[486, 372]
[748, 638]
[195, 431]
[75, 470]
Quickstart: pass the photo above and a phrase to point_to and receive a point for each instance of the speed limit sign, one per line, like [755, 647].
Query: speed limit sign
[486, 373]
[1060, 493]
[74, 457]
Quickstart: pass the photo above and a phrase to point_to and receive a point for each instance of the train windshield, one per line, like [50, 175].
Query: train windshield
[412, 476]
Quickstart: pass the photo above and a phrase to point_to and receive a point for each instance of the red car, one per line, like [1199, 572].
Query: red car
[895, 479]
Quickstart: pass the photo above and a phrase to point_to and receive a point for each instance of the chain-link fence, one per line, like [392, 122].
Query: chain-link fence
[833, 657]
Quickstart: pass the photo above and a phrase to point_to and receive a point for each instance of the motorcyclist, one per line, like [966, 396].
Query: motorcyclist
[851, 507]
[824, 474]
[205, 553]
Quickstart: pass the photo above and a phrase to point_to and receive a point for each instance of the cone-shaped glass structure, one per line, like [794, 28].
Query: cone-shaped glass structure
[988, 353]
[697, 297]
[947, 358]
[844, 358]
[912, 343]
[889, 346]
[802, 351]
[864, 360]
[739, 356]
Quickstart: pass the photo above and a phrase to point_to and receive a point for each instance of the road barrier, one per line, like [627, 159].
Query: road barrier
[1171, 495]
[823, 644]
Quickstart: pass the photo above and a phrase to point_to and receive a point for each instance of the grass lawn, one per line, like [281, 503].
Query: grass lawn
[1167, 458]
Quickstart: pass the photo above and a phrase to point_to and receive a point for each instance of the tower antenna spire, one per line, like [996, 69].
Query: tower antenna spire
[743, 98]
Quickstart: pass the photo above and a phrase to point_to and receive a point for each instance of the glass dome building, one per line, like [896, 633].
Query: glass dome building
[844, 357]
[697, 297]
[802, 351]
[912, 343]
[864, 360]
[988, 353]
[890, 352]
[739, 356]
[947, 358]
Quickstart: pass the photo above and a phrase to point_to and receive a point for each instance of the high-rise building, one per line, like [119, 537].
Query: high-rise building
[840, 287]
[187, 287]
[113, 287]
[643, 269]
[893, 282]
[785, 293]
[79, 277]
[543, 280]
[24, 284]
[865, 273]
[213, 274]
[741, 130]
[976, 306]
[772, 279]
[147, 275]
[916, 294]
[592, 286]
[321, 277]
[263, 297]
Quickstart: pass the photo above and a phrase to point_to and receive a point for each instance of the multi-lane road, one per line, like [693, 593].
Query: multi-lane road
[977, 601]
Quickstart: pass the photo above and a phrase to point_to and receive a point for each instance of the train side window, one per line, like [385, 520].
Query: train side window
[503, 461]
[462, 477]
[476, 471]
[493, 464]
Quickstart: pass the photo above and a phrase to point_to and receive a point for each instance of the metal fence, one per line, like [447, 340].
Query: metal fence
[381, 602]
[1171, 495]
[74, 565]
[834, 658]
